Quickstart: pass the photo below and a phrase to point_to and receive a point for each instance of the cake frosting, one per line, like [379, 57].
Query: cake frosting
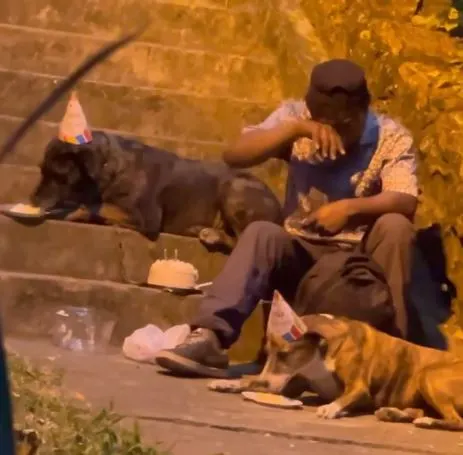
[173, 273]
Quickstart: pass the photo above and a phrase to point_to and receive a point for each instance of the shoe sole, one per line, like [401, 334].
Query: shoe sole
[183, 367]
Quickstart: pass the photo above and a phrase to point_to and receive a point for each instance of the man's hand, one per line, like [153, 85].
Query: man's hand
[327, 141]
[330, 218]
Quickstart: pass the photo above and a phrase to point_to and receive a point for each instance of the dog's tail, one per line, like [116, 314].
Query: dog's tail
[65, 85]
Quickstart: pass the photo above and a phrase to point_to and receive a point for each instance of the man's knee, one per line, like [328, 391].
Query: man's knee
[394, 227]
[263, 230]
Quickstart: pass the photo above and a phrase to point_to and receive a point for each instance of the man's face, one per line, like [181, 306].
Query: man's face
[349, 125]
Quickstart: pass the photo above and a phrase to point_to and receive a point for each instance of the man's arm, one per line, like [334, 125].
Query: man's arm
[385, 202]
[257, 146]
[270, 139]
[274, 137]
[399, 189]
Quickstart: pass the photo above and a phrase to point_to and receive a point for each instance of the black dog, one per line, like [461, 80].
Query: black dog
[127, 183]
[121, 181]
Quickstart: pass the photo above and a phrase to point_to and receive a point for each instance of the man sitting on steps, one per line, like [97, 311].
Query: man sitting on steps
[359, 169]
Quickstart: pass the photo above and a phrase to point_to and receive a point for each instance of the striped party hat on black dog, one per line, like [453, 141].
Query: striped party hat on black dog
[74, 128]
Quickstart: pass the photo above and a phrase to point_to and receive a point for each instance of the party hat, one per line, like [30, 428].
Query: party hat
[74, 128]
[283, 321]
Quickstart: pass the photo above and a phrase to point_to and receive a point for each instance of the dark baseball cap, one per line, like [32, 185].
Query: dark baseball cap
[336, 84]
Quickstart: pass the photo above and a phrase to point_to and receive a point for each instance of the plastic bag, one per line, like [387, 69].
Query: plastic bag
[144, 343]
[175, 335]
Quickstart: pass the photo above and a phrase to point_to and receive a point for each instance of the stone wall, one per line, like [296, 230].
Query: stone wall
[416, 74]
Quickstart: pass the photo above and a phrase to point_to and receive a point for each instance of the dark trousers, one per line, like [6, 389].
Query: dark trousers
[267, 258]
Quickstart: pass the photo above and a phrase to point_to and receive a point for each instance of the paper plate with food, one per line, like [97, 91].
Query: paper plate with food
[23, 210]
[270, 399]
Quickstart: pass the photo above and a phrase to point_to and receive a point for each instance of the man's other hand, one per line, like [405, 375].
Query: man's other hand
[329, 219]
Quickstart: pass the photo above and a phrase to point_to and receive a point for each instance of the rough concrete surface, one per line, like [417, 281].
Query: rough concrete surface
[182, 413]
[192, 440]
[30, 301]
[95, 252]
[146, 111]
[191, 25]
[141, 64]
[17, 182]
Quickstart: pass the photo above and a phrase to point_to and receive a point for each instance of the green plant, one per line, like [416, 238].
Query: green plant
[63, 421]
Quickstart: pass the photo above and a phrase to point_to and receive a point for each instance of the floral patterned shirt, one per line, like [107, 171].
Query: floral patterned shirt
[387, 161]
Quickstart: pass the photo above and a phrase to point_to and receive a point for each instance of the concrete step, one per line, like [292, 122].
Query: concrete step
[95, 252]
[29, 302]
[17, 182]
[186, 24]
[141, 64]
[143, 110]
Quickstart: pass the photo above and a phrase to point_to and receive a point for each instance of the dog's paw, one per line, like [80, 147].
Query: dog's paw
[227, 386]
[210, 237]
[438, 424]
[424, 422]
[393, 415]
[330, 411]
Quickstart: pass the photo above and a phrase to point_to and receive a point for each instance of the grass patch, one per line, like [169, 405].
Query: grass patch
[64, 422]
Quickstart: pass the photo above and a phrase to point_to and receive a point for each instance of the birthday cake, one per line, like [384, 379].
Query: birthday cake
[172, 273]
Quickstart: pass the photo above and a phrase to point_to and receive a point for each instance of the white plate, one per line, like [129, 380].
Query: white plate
[7, 210]
[196, 288]
[270, 399]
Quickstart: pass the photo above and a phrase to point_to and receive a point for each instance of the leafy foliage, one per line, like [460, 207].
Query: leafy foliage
[446, 19]
[64, 422]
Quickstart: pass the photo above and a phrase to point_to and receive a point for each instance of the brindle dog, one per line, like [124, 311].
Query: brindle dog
[121, 181]
[401, 381]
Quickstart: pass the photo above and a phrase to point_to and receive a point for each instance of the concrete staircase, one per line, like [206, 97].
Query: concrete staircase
[56, 264]
[198, 74]
[196, 78]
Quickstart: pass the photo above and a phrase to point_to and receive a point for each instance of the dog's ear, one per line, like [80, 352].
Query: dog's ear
[325, 326]
[89, 160]
[317, 341]
[313, 338]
